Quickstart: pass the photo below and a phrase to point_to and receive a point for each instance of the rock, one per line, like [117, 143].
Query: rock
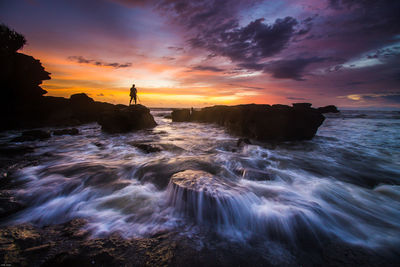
[15, 150]
[260, 122]
[80, 99]
[280, 106]
[9, 206]
[147, 148]
[98, 144]
[180, 115]
[70, 131]
[302, 105]
[254, 174]
[21, 76]
[71, 244]
[328, 109]
[32, 136]
[127, 119]
[204, 197]
[241, 141]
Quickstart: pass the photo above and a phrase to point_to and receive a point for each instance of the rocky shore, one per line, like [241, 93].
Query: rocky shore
[69, 244]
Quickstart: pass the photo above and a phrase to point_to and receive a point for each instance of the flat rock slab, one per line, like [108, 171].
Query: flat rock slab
[201, 182]
[207, 199]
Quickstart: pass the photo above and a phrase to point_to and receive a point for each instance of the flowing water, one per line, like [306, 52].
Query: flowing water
[343, 184]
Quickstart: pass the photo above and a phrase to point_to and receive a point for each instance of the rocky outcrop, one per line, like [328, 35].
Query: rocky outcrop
[180, 115]
[32, 136]
[21, 76]
[328, 109]
[261, 122]
[78, 109]
[71, 131]
[126, 119]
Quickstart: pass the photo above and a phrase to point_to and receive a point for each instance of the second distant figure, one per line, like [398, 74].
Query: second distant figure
[133, 94]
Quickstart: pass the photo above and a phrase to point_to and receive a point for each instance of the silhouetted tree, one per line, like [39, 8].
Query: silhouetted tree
[10, 40]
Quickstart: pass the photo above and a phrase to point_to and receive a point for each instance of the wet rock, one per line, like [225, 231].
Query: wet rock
[159, 172]
[260, 122]
[32, 136]
[98, 144]
[127, 119]
[69, 244]
[204, 197]
[328, 109]
[146, 148]
[9, 205]
[15, 150]
[241, 141]
[255, 174]
[180, 115]
[70, 131]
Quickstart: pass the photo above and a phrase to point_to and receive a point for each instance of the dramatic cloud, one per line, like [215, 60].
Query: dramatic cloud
[389, 98]
[296, 98]
[82, 60]
[247, 87]
[291, 69]
[207, 68]
[175, 48]
[249, 44]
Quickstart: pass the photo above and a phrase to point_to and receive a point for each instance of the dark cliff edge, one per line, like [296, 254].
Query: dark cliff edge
[260, 122]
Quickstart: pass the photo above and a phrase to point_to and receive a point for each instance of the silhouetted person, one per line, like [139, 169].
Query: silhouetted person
[133, 94]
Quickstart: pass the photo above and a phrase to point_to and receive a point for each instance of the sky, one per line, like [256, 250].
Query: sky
[199, 53]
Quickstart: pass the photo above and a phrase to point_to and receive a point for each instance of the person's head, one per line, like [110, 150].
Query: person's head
[133, 85]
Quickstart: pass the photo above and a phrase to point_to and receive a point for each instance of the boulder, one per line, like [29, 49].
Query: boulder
[260, 122]
[127, 119]
[203, 197]
[328, 109]
[70, 131]
[32, 136]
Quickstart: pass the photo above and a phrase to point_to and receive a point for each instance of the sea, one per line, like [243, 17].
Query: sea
[343, 184]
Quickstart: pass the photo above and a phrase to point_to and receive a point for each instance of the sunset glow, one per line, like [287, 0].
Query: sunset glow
[103, 47]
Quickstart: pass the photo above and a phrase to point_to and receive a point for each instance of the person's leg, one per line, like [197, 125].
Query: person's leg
[130, 101]
[135, 99]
